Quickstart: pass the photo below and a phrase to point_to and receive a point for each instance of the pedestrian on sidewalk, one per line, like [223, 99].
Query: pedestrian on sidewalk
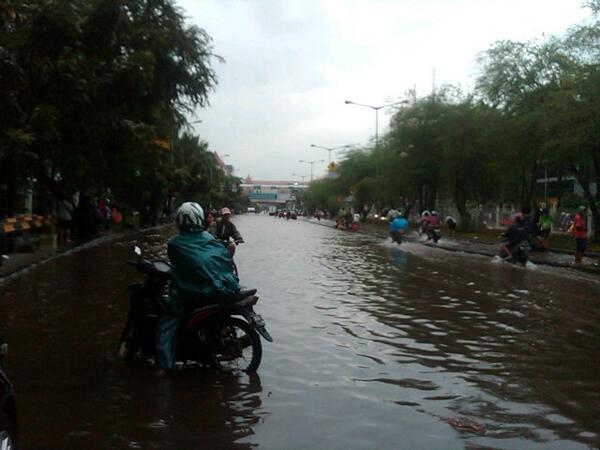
[565, 221]
[64, 214]
[87, 218]
[116, 216]
[579, 232]
[103, 214]
[451, 223]
[545, 227]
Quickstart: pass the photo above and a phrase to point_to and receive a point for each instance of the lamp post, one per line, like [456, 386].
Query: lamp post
[298, 175]
[311, 165]
[330, 149]
[224, 168]
[376, 108]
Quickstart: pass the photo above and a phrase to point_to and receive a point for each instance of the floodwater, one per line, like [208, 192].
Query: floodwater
[376, 347]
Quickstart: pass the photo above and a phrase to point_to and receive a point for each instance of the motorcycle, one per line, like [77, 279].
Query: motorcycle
[222, 332]
[520, 254]
[398, 236]
[8, 406]
[434, 234]
[230, 246]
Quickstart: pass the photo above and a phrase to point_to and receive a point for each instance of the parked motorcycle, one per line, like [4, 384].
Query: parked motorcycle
[222, 333]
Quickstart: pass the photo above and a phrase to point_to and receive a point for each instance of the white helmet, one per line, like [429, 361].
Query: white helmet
[433, 213]
[425, 213]
[190, 214]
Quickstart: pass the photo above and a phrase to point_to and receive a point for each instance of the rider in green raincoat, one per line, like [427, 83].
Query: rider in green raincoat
[201, 269]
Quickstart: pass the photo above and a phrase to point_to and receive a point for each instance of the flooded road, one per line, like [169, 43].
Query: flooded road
[376, 347]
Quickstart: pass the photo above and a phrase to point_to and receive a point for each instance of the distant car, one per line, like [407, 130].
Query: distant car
[293, 214]
[251, 209]
[8, 406]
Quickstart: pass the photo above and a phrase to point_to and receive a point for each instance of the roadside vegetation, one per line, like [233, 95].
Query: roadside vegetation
[535, 109]
[94, 99]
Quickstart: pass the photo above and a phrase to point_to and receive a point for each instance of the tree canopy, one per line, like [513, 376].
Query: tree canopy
[535, 109]
[95, 93]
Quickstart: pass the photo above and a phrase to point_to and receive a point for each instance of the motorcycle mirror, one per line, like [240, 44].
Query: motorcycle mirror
[137, 250]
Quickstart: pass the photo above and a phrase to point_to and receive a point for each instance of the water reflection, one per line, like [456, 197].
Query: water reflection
[398, 257]
[376, 346]
[63, 321]
[513, 349]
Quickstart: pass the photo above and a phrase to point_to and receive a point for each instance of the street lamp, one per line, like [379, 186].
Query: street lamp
[330, 149]
[226, 166]
[376, 108]
[311, 165]
[301, 176]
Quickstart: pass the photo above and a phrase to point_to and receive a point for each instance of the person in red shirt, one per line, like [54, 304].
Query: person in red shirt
[579, 232]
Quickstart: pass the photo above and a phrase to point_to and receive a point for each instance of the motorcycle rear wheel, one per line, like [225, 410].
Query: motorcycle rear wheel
[239, 347]
[6, 442]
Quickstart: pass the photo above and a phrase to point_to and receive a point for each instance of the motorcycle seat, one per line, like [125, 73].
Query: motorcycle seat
[225, 300]
[239, 296]
[229, 299]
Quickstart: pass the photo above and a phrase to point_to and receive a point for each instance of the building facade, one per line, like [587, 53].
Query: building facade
[265, 193]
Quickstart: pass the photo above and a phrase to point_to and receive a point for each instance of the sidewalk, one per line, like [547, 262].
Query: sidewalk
[19, 262]
[457, 243]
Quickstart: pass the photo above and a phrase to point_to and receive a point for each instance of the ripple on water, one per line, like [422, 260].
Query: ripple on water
[372, 350]
[422, 385]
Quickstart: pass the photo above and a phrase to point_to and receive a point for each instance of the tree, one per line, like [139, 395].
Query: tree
[98, 81]
[518, 79]
[414, 153]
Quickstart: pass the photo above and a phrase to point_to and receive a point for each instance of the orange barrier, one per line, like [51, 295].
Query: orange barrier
[24, 222]
[8, 225]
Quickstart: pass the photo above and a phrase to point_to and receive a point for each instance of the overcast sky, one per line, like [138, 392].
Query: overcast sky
[291, 64]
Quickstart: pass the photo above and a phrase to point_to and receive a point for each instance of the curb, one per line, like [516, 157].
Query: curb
[551, 250]
[19, 270]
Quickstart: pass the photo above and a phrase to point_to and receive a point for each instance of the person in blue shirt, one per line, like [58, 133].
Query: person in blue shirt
[202, 269]
[398, 227]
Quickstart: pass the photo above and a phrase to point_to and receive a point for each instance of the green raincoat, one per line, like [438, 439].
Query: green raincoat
[201, 267]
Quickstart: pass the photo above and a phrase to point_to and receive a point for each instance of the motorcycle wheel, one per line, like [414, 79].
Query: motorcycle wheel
[6, 442]
[238, 347]
[129, 343]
